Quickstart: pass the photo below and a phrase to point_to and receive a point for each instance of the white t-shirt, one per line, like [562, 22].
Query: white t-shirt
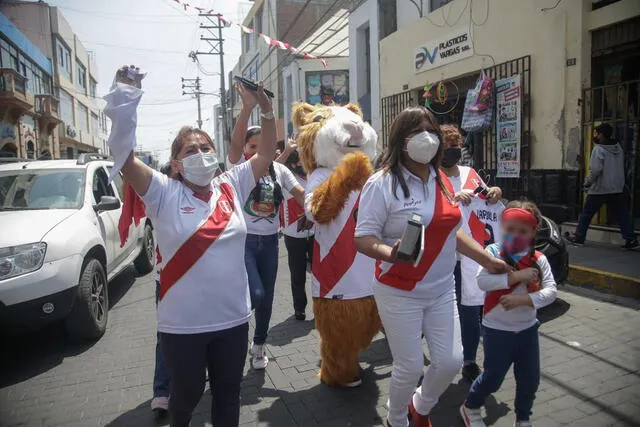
[261, 216]
[481, 221]
[204, 285]
[339, 270]
[290, 212]
[383, 215]
[522, 317]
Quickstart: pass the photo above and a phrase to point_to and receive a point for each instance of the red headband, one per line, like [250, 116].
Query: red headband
[518, 214]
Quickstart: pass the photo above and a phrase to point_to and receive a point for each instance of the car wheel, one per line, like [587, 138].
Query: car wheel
[88, 318]
[145, 261]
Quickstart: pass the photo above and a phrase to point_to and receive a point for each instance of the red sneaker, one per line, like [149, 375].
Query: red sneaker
[417, 419]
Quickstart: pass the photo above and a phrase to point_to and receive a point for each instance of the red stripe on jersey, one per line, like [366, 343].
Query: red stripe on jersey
[445, 218]
[330, 269]
[196, 245]
[474, 181]
[492, 299]
[478, 229]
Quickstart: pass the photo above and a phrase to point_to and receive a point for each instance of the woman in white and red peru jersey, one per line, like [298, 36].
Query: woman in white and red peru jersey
[416, 300]
[203, 309]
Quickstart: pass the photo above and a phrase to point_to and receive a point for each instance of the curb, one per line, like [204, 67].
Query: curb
[604, 281]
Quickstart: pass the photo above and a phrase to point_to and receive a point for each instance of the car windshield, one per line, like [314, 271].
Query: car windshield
[41, 189]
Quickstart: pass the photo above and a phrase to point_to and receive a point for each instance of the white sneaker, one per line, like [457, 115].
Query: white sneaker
[259, 359]
[160, 404]
[523, 424]
[471, 417]
[355, 383]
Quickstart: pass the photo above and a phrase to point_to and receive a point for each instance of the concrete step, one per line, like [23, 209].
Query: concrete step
[606, 268]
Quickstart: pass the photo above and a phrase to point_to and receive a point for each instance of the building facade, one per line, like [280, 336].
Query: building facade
[292, 21]
[75, 77]
[574, 63]
[28, 110]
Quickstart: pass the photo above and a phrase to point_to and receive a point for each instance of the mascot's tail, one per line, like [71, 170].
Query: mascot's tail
[330, 197]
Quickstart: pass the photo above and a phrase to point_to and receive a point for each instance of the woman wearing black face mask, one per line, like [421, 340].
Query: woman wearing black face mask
[298, 234]
[465, 181]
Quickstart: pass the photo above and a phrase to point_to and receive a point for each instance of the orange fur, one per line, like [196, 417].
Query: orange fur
[330, 196]
[346, 328]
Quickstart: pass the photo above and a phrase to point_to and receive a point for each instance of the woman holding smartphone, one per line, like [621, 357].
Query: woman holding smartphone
[261, 208]
[416, 300]
[203, 308]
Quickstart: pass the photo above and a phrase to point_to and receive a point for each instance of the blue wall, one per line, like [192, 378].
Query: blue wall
[24, 44]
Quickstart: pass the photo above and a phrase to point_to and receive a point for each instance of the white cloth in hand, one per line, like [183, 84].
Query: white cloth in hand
[122, 103]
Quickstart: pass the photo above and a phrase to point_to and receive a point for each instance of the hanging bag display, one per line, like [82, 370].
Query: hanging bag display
[478, 107]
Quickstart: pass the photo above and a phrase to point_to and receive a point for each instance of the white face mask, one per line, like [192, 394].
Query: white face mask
[423, 147]
[200, 168]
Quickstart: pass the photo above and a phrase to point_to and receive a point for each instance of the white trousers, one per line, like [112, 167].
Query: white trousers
[405, 319]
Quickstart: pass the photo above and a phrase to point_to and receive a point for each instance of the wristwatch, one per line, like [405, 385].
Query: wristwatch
[268, 116]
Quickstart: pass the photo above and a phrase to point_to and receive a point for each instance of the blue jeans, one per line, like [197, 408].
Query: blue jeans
[261, 261]
[501, 349]
[619, 205]
[160, 376]
[470, 321]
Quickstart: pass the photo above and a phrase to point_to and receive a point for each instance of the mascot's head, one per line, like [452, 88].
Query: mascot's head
[327, 133]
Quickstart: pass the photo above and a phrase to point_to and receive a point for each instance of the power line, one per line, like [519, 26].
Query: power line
[310, 31]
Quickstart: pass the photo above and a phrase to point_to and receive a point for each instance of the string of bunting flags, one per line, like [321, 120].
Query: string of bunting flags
[269, 40]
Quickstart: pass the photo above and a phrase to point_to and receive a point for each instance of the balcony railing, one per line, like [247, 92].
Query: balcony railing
[11, 81]
[47, 105]
[13, 88]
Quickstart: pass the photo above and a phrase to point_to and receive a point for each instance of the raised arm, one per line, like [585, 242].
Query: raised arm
[289, 148]
[268, 139]
[121, 107]
[240, 129]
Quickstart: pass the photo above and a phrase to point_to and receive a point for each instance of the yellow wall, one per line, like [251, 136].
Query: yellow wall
[513, 29]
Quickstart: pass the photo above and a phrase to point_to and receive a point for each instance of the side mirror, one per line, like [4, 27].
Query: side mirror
[107, 203]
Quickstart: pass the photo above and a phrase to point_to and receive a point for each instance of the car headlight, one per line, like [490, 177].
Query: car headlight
[17, 260]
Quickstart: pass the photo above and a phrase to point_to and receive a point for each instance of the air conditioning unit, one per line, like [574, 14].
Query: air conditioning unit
[71, 131]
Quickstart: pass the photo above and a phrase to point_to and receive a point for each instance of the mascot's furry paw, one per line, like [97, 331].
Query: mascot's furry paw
[330, 197]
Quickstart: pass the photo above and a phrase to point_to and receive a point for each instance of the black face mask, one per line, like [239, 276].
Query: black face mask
[451, 156]
[299, 170]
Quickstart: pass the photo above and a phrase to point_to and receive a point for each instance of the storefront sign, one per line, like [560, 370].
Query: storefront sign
[436, 53]
[508, 126]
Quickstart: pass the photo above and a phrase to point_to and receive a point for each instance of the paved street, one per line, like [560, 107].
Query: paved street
[590, 359]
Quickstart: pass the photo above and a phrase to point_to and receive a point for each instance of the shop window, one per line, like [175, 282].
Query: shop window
[31, 150]
[63, 59]
[66, 107]
[81, 114]
[93, 88]
[81, 77]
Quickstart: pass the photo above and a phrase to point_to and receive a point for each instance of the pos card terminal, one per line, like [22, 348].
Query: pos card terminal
[412, 242]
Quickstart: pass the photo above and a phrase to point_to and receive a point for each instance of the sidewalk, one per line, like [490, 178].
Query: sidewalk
[606, 268]
[588, 347]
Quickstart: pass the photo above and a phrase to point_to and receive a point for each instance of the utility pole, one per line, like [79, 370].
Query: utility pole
[192, 87]
[216, 42]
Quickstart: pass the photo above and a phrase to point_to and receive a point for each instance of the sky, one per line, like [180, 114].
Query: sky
[157, 36]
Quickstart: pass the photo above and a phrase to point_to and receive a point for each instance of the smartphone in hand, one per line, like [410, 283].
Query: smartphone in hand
[251, 85]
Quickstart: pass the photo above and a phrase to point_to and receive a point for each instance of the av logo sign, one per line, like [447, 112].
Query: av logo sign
[443, 50]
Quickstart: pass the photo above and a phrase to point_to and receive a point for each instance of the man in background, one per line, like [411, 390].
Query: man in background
[605, 184]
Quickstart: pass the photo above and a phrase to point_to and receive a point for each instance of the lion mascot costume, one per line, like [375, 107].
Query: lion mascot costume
[336, 148]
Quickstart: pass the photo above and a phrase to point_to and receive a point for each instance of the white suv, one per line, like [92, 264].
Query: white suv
[59, 243]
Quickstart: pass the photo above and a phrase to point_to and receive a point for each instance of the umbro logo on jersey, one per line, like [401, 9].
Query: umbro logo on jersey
[187, 209]
[225, 206]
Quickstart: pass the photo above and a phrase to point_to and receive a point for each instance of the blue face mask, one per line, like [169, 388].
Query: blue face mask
[515, 244]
